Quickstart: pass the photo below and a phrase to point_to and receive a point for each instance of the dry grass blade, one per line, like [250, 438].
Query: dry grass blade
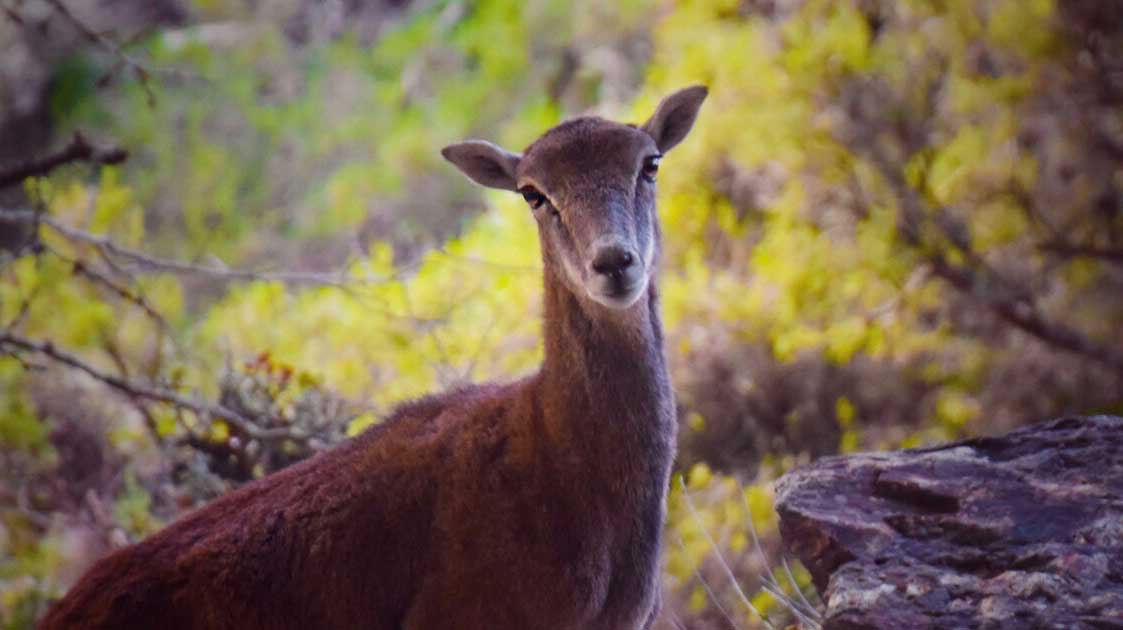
[675, 620]
[721, 559]
[799, 591]
[709, 591]
[806, 613]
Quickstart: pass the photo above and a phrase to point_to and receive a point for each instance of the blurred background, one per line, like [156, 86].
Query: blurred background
[897, 222]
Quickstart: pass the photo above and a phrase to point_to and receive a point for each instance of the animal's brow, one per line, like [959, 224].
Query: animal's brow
[528, 180]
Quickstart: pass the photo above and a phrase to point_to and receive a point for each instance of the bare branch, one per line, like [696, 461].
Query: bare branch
[83, 269]
[35, 517]
[112, 251]
[11, 14]
[142, 73]
[24, 363]
[1112, 255]
[1025, 317]
[144, 391]
[24, 307]
[1013, 306]
[19, 216]
[79, 150]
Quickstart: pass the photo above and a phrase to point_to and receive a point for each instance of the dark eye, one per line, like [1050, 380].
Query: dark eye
[534, 198]
[651, 167]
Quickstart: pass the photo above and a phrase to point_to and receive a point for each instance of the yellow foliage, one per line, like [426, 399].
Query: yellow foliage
[955, 409]
[844, 410]
[465, 313]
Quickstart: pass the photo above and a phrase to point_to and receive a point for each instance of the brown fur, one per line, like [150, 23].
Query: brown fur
[535, 504]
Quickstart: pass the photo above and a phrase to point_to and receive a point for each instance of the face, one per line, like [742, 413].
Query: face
[590, 184]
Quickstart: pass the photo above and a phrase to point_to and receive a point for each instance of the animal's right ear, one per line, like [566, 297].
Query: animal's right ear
[485, 163]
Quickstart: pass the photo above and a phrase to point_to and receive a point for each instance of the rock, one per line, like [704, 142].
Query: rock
[1021, 531]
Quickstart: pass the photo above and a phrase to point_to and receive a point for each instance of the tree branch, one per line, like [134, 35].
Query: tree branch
[142, 73]
[1113, 255]
[82, 269]
[146, 392]
[1024, 316]
[111, 250]
[79, 150]
[1011, 305]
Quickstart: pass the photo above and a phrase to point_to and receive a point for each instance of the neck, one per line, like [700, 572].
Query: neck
[607, 392]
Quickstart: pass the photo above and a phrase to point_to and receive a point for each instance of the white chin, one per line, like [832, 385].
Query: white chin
[617, 301]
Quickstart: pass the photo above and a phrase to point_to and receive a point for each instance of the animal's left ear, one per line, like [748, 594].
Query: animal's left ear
[675, 116]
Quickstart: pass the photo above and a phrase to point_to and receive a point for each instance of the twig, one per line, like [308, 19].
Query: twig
[149, 423]
[146, 392]
[23, 362]
[11, 14]
[110, 252]
[24, 308]
[137, 298]
[83, 269]
[109, 249]
[142, 73]
[23, 503]
[79, 150]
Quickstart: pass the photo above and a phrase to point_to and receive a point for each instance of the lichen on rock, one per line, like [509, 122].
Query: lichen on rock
[1018, 531]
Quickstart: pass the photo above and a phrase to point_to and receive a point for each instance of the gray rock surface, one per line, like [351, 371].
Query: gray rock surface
[1021, 531]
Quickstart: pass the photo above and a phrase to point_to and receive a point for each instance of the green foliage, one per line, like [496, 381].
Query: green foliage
[73, 92]
[20, 428]
[132, 510]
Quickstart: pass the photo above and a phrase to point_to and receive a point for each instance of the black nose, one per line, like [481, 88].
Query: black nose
[613, 261]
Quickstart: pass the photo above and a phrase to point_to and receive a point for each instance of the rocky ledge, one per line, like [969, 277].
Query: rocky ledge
[1022, 531]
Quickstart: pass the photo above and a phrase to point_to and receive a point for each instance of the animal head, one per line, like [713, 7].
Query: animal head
[590, 184]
